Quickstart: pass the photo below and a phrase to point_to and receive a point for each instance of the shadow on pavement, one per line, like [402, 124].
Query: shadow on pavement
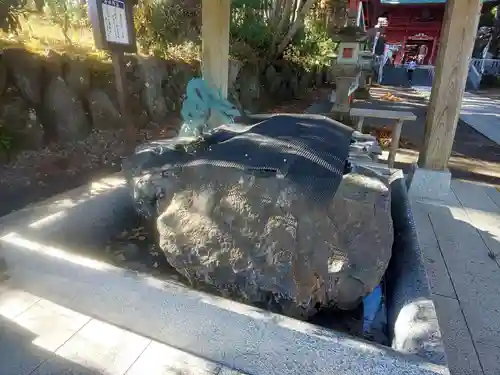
[20, 355]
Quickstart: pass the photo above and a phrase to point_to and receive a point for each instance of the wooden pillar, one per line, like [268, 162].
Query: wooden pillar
[452, 66]
[118, 60]
[215, 43]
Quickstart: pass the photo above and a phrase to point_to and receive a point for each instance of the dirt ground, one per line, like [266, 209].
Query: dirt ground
[36, 175]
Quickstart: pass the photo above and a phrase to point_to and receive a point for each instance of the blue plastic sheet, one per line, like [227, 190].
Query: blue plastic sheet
[371, 306]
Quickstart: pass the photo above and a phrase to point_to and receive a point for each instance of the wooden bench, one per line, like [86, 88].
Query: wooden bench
[399, 116]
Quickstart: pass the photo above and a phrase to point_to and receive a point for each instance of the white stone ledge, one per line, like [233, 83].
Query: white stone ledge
[232, 334]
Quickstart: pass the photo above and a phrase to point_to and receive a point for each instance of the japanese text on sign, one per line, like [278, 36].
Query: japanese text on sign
[115, 21]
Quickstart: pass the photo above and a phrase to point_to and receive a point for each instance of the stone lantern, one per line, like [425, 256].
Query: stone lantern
[366, 65]
[348, 53]
[347, 69]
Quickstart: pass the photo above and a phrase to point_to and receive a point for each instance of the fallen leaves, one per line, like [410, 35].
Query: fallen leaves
[384, 137]
[138, 233]
[389, 96]
[101, 149]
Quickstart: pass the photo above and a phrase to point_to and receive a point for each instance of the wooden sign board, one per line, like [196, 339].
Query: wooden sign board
[113, 25]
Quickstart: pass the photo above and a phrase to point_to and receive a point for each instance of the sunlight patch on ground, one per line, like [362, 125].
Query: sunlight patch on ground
[18, 240]
[72, 340]
[480, 167]
[106, 184]
[94, 189]
[47, 220]
[476, 166]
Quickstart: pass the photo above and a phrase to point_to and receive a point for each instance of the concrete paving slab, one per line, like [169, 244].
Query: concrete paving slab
[466, 233]
[494, 195]
[475, 197]
[18, 356]
[222, 331]
[489, 356]
[14, 302]
[482, 211]
[460, 350]
[255, 342]
[473, 273]
[160, 359]
[53, 324]
[33, 347]
[437, 274]
[61, 366]
[101, 347]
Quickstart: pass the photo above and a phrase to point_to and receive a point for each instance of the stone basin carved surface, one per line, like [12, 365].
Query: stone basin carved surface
[270, 213]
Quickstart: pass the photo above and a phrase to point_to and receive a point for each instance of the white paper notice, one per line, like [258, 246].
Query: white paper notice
[115, 21]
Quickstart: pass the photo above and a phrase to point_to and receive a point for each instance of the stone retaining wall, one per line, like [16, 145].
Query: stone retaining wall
[58, 98]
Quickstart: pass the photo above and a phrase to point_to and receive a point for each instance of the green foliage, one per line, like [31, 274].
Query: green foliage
[313, 45]
[487, 19]
[6, 141]
[10, 13]
[67, 14]
[249, 27]
[163, 26]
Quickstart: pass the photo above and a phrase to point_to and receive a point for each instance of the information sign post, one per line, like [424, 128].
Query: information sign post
[113, 26]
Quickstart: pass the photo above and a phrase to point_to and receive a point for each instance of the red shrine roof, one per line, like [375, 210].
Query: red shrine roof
[404, 2]
[408, 2]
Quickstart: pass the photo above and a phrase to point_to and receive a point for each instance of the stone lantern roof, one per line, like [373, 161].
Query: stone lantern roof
[349, 34]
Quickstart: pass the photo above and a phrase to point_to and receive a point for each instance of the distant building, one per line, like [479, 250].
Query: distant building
[413, 26]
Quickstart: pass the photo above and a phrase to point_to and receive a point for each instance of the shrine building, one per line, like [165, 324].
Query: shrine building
[413, 26]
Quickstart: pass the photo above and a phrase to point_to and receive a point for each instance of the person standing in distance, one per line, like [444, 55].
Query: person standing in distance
[410, 69]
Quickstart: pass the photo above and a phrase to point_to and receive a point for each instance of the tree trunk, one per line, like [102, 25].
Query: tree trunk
[278, 4]
[300, 4]
[66, 25]
[295, 27]
[284, 21]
